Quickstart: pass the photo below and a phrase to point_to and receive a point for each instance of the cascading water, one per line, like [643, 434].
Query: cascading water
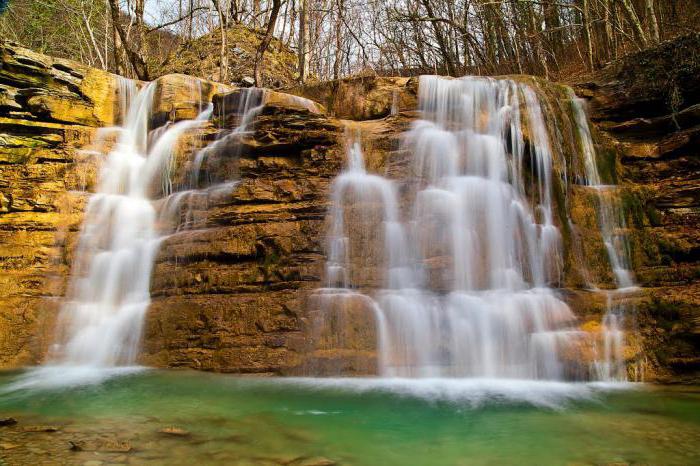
[180, 209]
[611, 220]
[100, 323]
[466, 279]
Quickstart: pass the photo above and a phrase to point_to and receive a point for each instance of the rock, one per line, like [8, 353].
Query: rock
[363, 97]
[8, 421]
[174, 432]
[8, 445]
[247, 81]
[237, 294]
[229, 297]
[313, 461]
[178, 97]
[36, 429]
[56, 89]
[101, 445]
[647, 108]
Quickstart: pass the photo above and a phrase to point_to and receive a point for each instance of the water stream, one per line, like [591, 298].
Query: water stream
[464, 247]
[611, 219]
[458, 261]
[135, 207]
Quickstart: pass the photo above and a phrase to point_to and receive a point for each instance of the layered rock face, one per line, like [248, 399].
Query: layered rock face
[230, 295]
[235, 293]
[647, 106]
[49, 109]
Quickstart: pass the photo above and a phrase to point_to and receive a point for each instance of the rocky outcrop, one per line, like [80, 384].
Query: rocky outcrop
[230, 295]
[647, 106]
[236, 292]
[49, 109]
[363, 97]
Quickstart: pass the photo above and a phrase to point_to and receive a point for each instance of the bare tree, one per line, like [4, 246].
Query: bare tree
[131, 48]
[265, 43]
[303, 38]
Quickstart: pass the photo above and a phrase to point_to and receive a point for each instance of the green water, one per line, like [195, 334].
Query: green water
[232, 420]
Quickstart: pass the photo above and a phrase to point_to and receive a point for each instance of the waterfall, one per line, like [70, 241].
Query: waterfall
[469, 251]
[610, 365]
[135, 207]
[101, 319]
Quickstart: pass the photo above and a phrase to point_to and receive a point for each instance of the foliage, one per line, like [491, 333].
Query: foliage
[74, 29]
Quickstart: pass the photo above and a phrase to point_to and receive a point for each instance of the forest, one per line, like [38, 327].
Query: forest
[350, 232]
[331, 39]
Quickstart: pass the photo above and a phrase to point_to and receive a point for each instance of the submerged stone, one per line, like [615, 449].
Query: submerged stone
[174, 431]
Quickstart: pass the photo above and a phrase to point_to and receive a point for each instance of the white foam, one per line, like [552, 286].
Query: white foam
[471, 392]
[58, 377]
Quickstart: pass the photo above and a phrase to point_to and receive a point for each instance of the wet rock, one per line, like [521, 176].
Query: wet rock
[647, 109]
[8, 421]
[37, 429]
[174, 432]
[313, 461]
[101, 445]
[364, 97]
[178, 97]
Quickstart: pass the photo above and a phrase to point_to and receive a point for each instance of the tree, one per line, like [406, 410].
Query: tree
[265, 43]
[303, 37]
[132, 48]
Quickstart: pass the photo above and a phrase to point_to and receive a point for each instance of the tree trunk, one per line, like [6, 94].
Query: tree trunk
[256, 12]
[223, 51]
[303, 37]
[609, 35]
[634, 21]
[552, 23]
[133, 54]
[651, 15]
[587, 33]
[276, 4]
[440, 38]
[338, 39]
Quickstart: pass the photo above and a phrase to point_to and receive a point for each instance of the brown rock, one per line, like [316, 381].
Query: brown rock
[101, 445]
[174, 431]
[37, 429]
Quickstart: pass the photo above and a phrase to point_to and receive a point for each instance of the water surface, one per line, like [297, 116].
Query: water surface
[223, 419]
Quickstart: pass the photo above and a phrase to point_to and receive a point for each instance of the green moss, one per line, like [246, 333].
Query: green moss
[606, 159]
[653, 215]
[632, 208]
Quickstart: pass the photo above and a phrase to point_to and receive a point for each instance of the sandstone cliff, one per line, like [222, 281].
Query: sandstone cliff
[49, 109]
[236, 293]
[648, 107]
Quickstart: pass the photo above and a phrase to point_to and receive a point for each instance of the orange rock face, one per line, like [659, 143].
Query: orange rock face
[239, 291]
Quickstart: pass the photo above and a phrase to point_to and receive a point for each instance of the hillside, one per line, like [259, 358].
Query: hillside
[200, 58]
